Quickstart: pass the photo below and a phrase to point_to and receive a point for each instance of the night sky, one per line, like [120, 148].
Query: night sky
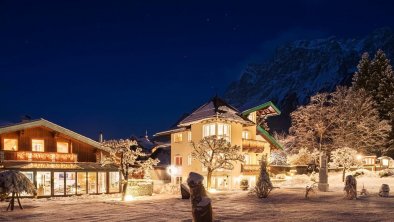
[123, 67]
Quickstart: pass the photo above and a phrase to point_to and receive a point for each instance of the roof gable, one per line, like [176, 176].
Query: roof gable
[216, 107]
[52, 126]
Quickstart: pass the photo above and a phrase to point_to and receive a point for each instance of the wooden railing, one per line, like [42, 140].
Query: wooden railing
[253, 145]
[250, 168]
[40, 156]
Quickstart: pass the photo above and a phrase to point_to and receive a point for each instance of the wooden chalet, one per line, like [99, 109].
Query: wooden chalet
[57, 160]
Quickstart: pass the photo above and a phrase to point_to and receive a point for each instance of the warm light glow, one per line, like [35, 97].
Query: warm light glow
[359, 157]
[172, 170]
[212, 190]
[129, 198]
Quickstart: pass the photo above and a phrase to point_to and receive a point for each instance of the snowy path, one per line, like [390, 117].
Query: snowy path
[282, 205]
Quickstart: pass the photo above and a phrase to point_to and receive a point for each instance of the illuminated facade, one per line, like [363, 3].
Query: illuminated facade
[58, 161]
[218, 118]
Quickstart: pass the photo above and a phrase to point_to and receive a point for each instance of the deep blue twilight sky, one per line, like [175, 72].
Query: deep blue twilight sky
[125, 66]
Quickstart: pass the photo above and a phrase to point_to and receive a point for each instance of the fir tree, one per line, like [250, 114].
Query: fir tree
[376, 77]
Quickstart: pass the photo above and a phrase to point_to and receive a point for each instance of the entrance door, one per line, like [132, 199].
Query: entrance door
[44, 183]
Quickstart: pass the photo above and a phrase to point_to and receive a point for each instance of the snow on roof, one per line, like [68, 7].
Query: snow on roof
[215, 108]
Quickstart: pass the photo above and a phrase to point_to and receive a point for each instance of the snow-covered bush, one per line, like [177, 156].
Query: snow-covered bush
[278, 157]
[386, 173]
[304, 157]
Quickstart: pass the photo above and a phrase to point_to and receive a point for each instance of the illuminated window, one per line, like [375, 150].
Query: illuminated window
[11, 144]
[189, 136]
[247, 159]
[221, 130]
[177, 137]
[245, 134]
[37, 145]
[178, 160]
[62, 147]
[209, 130]
[224, 131]
[252, 117]
[189, 160]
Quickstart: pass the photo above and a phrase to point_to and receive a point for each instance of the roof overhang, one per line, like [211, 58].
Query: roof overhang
[263, 110]
[54, 127]
[269, 138]
[168, 132]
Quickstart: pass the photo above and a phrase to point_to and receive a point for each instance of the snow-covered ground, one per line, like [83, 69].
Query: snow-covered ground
[284, 204]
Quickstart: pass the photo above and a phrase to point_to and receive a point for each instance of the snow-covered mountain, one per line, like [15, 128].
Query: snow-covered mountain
[299, 69]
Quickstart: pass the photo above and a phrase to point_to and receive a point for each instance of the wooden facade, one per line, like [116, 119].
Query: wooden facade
[72, 170]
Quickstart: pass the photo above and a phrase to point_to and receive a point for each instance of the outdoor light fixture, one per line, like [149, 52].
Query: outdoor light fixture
[172, 170]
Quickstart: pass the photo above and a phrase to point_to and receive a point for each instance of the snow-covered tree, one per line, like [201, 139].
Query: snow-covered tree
[312, 123]
[128, 156]
[263, 185]
[346, 117]
[304, 157]
[357, 123]
[344, 157]
[216, 153]
[377, 78]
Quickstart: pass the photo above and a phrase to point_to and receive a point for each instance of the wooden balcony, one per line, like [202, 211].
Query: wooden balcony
[256, 146]
[39, 156]
[250, 168]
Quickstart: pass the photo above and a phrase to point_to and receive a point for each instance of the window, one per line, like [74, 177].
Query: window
[114, 182]
[178, 160]
[37, 145]
[252, 117]
[62, 147]
[11, 144]
[189, 136]
[102, 182]
[92, 181]
[247, 159]
[81, 185]
[178, 180]
[70, 183]
[189, 160]
[245, 134]
[177, 137]
[209, 130]
[223, 131]
[44, 183]
[58, 183]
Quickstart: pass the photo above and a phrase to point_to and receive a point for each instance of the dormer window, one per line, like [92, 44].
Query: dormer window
[37, 145]
[62, 147]
[11, 144]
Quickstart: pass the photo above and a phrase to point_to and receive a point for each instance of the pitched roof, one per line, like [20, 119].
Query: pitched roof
[53, 126]
[216, 107]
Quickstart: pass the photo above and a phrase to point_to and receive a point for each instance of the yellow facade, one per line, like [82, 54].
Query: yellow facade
[221, 179]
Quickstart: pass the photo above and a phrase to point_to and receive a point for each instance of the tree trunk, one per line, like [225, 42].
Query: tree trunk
[209, 176]
[126, 179]
[343, 174]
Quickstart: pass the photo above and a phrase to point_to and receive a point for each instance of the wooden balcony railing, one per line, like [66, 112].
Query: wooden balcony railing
[250, 168]
[253, 145]
[40, 156]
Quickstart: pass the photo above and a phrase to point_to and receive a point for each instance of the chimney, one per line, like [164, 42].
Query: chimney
[25, 118]
[101, 137]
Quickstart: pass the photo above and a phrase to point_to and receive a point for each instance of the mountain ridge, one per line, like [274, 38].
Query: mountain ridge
[302, 68]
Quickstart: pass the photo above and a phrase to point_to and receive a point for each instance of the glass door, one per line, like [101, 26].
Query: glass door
[43, 183]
